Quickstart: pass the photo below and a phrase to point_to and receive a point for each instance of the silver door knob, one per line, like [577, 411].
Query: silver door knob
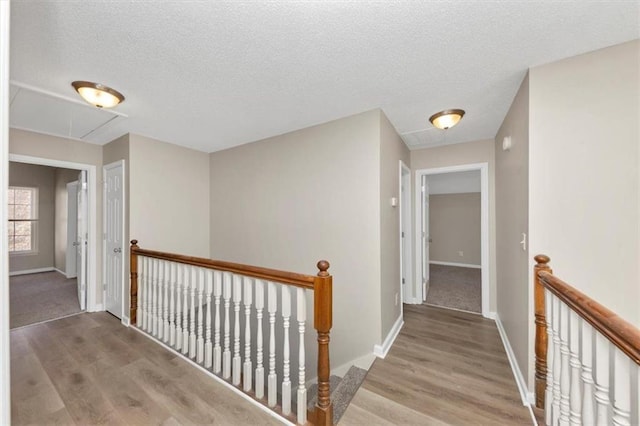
[117, 250]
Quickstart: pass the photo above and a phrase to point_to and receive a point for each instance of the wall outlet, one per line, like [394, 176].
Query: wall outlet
[461, 253]
[396, 299]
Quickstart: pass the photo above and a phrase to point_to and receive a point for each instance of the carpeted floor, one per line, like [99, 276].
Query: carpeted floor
[40, 297]
[455, 287]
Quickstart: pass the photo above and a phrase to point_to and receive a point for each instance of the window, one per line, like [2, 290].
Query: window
[23, 219]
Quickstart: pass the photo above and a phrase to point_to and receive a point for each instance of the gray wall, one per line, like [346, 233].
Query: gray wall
[454, 226]
[452, 155]
[392, 150]
[63, 176]
[512, 219]
[169, 202]
[584, 173]
[43, 178]
[288, 201]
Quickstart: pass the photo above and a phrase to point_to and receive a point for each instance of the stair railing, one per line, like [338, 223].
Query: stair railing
[193, 305]
[587, 368]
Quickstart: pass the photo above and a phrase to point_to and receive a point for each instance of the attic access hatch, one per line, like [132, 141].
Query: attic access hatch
[46, 112]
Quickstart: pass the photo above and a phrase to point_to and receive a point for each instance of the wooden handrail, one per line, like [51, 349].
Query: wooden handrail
[291, 278]
[619, 332]
[321, 285]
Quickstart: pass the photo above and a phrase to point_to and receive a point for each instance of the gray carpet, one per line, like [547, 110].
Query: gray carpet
[41, 297]
[455, 287]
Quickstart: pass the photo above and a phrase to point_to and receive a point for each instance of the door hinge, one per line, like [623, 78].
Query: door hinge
[402, 234]
[403, 281]
[104, 286]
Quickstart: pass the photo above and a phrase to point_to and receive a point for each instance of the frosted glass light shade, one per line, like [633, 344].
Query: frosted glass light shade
[98, 94]
[446, 119]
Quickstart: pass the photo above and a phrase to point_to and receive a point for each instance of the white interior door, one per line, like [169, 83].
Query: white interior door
[425, 236]
[71, 266]
[405, 234]
[114, 237]
[82, 229]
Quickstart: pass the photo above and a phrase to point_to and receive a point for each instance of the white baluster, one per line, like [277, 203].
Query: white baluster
[602, 380]
[179, 323]
[635, 415]
[621, 388]
[208, 355]
[193, 285]
[565, 377]
[575, 403]
[144, 295]
[548, 400]
[286, 381]
[259, 340]
[302, 390]
[200, 338]
[165, 301]
[588, 414]
[226, 355]
[160, 284]
[156, 299]
[237, 298]
[140, 309]
[217, 351]
[185, 309]
[172, 303]
[247, 366]
[557, 366]
[272, 386]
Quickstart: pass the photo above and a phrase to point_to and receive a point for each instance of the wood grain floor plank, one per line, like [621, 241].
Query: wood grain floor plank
[448, 366]
[89, 370]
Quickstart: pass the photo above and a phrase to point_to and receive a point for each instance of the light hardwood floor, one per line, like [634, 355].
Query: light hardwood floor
[445, 368]
[88, 369]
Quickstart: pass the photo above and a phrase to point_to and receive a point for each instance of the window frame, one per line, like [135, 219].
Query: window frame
[34, 221]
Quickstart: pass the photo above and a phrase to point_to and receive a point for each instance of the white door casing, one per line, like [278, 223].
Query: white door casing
[426, 239]
[71, 266]
[484, 226]
[405, 234]
[82, 229]
[114, 248]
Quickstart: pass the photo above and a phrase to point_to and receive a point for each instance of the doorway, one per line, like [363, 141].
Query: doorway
[87, 268]
[41, 215]
[423, 236]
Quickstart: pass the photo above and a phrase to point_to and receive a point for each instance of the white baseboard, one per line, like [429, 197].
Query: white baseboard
[526, 396]
[33, 271]
[461, 265]
[381, 350]
[491, 315]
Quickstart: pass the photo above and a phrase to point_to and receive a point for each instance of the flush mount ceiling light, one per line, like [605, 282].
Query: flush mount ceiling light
[446, 119]
[98, 94]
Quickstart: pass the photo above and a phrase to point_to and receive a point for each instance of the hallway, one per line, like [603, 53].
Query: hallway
[445, 367]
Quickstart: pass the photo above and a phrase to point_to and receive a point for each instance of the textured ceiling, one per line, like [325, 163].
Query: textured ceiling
[211, 75]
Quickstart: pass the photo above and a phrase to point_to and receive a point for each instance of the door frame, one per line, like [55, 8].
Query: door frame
[125, 314]
[404, 175]
[484, 227]
[72, 221]
[92, 246]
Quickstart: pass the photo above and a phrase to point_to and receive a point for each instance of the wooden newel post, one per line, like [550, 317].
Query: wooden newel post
[541, 329]
[322, 321]
[133, 301]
